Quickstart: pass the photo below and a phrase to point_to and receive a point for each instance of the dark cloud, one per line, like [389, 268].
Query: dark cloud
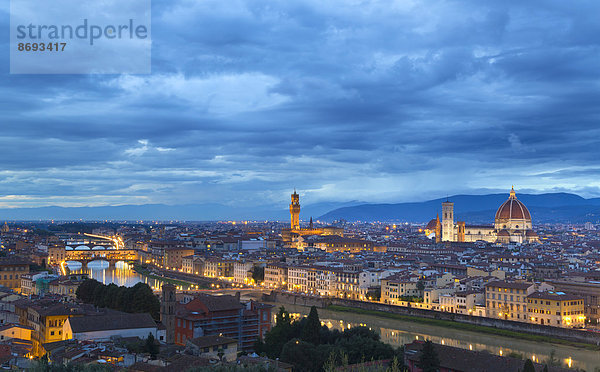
[378, 100]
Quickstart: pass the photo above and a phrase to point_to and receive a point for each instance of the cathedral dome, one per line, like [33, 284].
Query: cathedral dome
[431, 225]
[513, 209]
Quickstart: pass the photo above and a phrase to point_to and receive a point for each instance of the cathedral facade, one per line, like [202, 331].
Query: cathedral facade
[512, 225]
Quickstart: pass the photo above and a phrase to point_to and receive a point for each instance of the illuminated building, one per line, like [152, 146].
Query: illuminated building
[512, 224]
[556, 309]
[11, 271]
[295, 211]
[291, 234]
[507, 300]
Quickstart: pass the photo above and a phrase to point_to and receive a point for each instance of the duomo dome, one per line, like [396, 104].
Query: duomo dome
[513, 215]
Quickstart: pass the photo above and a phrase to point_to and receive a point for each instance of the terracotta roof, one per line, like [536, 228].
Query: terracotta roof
[111, 322]
[457, 359]
[503, 233]
[208, 341]
[214, 303]
[514, 285]
[431, 225]
[555, 296]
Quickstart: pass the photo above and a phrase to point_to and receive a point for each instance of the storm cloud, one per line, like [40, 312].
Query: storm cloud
[382, 101]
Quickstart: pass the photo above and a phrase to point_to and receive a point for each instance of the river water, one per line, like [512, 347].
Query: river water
[394, 332]
[120, 274]
[398, 333]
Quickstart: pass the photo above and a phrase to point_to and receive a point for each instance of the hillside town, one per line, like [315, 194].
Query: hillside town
[197, 316]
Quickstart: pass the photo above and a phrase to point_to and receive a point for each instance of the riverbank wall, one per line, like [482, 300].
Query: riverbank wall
[575, 335]
[189, 278]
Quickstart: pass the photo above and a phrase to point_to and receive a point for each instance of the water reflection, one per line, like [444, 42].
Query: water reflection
[398, 333]
[120, 274]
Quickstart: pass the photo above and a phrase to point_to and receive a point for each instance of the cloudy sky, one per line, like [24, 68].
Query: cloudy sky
[377, 101]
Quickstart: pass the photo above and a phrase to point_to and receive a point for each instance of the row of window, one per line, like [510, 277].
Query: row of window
[13, 268]
[542, 311]
[506, 297]
[518, 306]
[567, 303]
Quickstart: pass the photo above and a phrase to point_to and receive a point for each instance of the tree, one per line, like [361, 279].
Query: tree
[258, 274]
[360, 349]
[528, 366]
[374, 294]
[552, 359]
[281, 333]
[137, 299]
[312, 327]
[150, 346]
[429, 361]
[363, 332]
[301, 354]
[420, 285]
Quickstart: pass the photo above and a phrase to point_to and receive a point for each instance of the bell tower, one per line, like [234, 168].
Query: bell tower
[167, 311]
[447, 221]
[295, 211]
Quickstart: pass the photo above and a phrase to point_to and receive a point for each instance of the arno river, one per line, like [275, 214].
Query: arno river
[398, 333]
[120, 274]
[394, 332]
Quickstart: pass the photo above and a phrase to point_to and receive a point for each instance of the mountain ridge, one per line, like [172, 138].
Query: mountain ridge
[547, 207]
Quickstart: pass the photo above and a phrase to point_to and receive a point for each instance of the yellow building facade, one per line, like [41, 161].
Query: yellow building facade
[556, 309]
[11, 271]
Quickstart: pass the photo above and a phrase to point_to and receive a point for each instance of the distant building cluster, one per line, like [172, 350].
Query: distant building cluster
[507, 272]
[512, 225]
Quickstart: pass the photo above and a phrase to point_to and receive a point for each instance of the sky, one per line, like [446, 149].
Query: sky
[378, 101]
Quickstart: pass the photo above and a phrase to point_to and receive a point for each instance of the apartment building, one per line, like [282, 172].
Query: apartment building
[242, 272]
[173, 257]
[298, 279]
[395, 287]
[587, 288]
[276, 275]
[216, 267]
[347, 285]
[556, 309]
[11, 270]
[224, 316]
[508, 300]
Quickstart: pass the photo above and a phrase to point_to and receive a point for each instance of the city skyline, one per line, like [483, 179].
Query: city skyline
[408, 101]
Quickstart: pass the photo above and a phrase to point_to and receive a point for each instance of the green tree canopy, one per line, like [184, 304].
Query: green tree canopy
[137, 299]
[528, 366]
[429, 361]
[312, 327]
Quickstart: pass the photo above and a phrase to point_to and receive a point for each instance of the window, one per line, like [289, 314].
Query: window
[224, 347]
[206, 349]
[52, 333]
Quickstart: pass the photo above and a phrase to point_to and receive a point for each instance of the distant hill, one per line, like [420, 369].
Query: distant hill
[554, 207]
[162, 212]
[557, 207]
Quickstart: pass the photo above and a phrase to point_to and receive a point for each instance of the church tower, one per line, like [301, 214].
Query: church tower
[447, 221]
[438, 229]
[167, 311]
[295, 211]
